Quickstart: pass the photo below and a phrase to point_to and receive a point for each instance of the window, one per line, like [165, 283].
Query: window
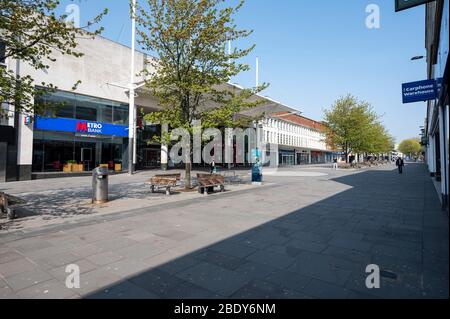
[76, 106]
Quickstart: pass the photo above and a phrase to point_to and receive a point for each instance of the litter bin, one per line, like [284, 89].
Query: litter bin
[100, 185]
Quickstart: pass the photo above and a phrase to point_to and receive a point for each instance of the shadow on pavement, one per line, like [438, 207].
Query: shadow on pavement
[320, 251]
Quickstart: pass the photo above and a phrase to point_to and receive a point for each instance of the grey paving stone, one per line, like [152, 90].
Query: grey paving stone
[309, 237]
[86, 250]
[60, 271]
[350, 243]
[411, 255]
[219, 259]
[254, 270]
[275, 260]
[126, 267]
[122, 290]
[213, 278]
[306, 245]
[233, 249]
[140, 251]
[60, 259]
[51, 289]
[284, 250]
[7, 293]
[104, 258]
[323, 267]
[324, 290]
[16, 267]
[174, 234]
[179, 264]
[27, 279]
[351, 255]
[9, 256]
[29, 244]
[259, 289]
[288, 279]
[95, 280]
[157, 282]
[188, 290]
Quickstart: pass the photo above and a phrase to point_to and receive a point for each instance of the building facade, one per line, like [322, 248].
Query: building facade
[300, 140]
[436, 131]
[90, 125]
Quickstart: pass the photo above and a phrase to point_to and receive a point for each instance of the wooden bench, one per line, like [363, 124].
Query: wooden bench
[166, 182]
[207, 182]
[6, 203]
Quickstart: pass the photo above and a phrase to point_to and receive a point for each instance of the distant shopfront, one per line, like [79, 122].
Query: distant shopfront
[83, 133]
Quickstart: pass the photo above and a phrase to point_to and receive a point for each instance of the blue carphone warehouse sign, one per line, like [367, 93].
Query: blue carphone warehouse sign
[419, 91]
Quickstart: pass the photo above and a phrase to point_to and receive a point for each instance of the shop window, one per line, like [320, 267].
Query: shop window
[120, 115]
[86, 112]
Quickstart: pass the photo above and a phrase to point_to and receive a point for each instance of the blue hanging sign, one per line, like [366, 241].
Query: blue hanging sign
[419, 91]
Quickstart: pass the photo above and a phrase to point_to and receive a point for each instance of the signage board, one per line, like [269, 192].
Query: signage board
[257, 166]
[406, 4]
[419, 91]
[80, 126]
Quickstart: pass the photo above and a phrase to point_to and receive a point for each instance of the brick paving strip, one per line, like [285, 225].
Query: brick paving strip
[299, 237]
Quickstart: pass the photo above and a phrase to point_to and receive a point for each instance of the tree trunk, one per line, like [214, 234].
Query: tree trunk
[187, 179]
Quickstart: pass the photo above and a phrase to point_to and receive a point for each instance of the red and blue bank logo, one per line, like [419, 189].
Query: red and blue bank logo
[89, 127]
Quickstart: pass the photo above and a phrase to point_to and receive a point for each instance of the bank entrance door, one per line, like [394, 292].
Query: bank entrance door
[86, 158]
[151, 158]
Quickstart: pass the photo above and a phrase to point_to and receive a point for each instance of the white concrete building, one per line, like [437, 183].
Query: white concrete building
[300, 140]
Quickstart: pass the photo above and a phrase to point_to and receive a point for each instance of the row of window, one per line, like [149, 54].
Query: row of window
[286, 139]
[288, 127]
[81, 107]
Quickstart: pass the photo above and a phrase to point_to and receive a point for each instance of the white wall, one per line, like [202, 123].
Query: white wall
[281, 132]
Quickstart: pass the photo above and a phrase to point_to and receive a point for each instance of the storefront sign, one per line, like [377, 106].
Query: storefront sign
[80, 126]
[406, 4]
[419, 91]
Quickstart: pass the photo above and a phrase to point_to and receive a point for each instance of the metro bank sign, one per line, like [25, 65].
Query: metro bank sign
[89, 127]
[79, 126]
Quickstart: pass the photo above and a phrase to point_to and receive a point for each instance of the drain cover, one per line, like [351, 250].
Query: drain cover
[388, 274]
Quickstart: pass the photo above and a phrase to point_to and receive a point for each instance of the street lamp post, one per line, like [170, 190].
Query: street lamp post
[131, 109]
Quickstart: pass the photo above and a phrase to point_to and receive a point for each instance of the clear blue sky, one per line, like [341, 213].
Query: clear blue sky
[312, 52]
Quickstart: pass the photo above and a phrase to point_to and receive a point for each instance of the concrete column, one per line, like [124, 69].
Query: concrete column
[443, 138]
[309, 158]
[164, 148]
[3, 161]
[431, 155]
[24, 148]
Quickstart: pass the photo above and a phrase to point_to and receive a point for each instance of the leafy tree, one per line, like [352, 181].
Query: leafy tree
[33, 33]
[353, 126]
[410, 147]
[192, 68]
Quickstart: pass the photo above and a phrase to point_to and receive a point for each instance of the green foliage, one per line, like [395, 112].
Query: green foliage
[32, 33]
[192, 68]
[410, 147]
[353, 126]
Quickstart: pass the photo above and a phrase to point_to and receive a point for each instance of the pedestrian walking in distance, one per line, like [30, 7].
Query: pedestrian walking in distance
[213, 167]
[335, 164]
[400, 163]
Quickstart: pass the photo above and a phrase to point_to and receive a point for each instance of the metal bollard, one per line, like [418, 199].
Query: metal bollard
[100, 185]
